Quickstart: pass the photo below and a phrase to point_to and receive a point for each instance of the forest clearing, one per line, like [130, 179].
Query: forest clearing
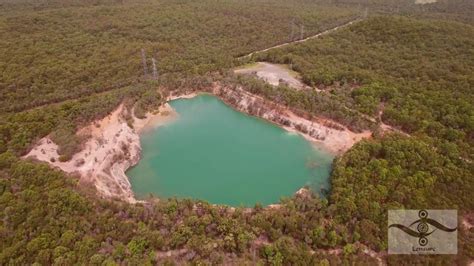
[360, 107]
[273, 74]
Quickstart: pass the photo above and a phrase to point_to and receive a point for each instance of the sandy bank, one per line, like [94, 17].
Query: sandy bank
[324, 133]
[112, 147]
[182, 96]
[162, 116]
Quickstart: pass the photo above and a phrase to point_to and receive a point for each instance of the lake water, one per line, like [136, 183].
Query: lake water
[214, 153]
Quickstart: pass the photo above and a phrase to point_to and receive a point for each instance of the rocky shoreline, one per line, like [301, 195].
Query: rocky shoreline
[113, 146]
[330, 135]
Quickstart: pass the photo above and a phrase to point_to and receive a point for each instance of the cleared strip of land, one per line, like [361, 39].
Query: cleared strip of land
[303, 40]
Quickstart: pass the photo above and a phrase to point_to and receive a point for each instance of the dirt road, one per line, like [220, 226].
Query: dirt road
[305, 39]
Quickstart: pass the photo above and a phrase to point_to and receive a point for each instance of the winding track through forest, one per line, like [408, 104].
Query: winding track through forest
[305, 39]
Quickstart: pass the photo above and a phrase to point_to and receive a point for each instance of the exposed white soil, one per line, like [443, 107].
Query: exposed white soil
[332, 136]
[112, 147]
[273, 74]
[422, 2]
[374, 254]
[468, 221]
[183, 96]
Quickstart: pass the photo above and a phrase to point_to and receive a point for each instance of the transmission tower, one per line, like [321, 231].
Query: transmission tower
[292, 24]
[145, 67]
[155, 72]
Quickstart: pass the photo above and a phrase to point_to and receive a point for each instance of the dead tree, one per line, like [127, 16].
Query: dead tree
[302, 31]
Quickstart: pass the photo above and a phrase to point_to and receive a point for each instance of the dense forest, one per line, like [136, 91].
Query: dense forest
[415, 75]
[66, 63]
[46, 59]
[97, 48]
[48, 219]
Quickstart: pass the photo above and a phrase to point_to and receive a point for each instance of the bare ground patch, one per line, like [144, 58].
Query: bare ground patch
[273, 74]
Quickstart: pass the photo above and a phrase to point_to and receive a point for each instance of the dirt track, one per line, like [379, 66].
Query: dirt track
[305, 39]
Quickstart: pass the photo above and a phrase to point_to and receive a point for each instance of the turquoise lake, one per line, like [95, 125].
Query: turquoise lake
[214, 153]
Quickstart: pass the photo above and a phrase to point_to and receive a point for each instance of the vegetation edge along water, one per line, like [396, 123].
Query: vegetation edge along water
[203, 138]
[49, 218]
